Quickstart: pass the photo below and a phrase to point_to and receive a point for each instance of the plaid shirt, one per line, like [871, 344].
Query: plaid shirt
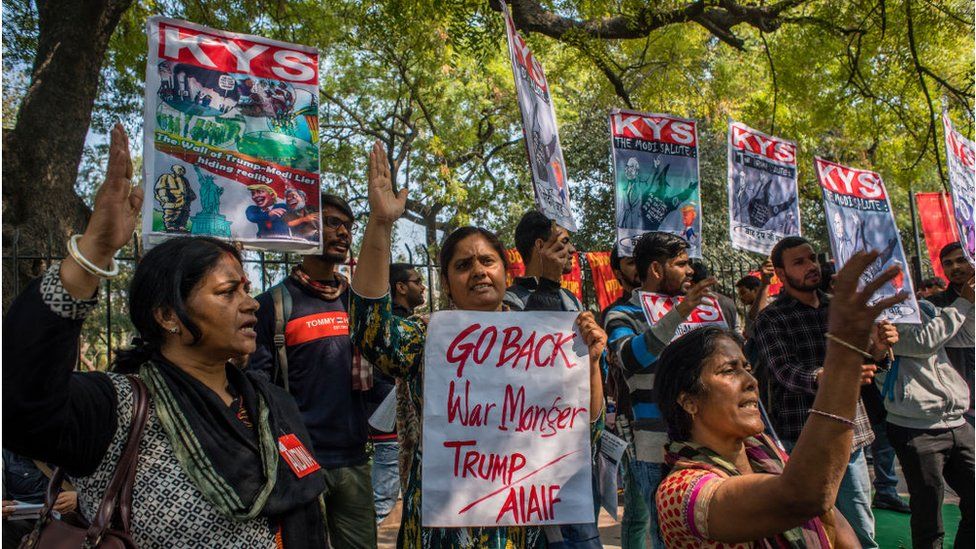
[791, 345]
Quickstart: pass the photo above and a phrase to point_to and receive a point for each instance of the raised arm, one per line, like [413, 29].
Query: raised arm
[372, 276]
[50, 412]
[750, 507]
[765, 277]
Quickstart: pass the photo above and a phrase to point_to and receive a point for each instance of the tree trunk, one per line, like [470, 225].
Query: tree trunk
[42, 152]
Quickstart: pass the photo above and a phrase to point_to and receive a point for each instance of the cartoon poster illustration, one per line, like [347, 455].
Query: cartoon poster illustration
[506, 430]
[859, 218]
[763, 200]
[655, 161]
[961, 158]
[231, 138]
[540, 129]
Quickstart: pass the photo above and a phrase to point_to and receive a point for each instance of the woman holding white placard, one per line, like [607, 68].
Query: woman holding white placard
[473, 275]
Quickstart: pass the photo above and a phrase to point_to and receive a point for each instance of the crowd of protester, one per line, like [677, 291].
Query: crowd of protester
[755, 434]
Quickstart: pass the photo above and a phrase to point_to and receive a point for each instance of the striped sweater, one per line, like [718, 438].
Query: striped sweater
[634, 348]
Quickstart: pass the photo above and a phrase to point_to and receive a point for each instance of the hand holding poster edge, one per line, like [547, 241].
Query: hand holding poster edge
[468, 379]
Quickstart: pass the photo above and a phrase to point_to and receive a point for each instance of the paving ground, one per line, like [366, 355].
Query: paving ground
[892, 529]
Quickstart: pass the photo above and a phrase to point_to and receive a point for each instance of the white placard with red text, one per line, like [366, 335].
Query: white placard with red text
[859, 218]
[708, 313]
[506, 433]
[231, 138]
[541, 132]
[961, 160]
[763, 201]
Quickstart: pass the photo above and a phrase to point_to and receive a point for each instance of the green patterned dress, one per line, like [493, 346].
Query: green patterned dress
[396, 346]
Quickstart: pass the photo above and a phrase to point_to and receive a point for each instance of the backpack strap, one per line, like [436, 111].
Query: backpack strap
[282, 311]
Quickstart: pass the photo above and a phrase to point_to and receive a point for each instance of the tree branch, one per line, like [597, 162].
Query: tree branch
[928, 98]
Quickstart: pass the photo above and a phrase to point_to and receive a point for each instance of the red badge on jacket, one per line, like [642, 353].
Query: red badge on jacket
[297, 457]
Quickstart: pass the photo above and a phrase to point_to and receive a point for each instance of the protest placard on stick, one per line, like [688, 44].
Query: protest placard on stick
[961, 159]
[231, 138]
[506, 433]
[655, 164]
[541, 132]
[859, 218]
[763, 201]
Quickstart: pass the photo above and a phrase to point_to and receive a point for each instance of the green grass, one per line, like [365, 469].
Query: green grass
[893, 531]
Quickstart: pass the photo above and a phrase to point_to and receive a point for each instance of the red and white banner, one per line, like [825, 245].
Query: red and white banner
[859, 218]
[709, 313]
[506, 421]
[541, 132]
[605, 283]
[938, 225]
[961, 160]
[231, 138]
[763, 200]
[572, 281]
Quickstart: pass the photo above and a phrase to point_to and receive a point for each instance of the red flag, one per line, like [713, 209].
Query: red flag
[572, 281]
[608, 288]
[775, 286]
[938, 225]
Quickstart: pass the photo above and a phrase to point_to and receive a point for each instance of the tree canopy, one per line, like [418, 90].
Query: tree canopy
[860, 82]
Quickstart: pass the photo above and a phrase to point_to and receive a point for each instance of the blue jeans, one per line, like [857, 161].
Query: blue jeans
[854, 499]
[634, 524]
[647, 476]
[386, 478]
[885, 478]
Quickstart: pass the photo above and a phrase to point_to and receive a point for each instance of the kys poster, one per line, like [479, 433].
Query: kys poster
[763, 206]
[541, 132]
[655, 162]
[231, 138]
[859, 218]
[961, 159]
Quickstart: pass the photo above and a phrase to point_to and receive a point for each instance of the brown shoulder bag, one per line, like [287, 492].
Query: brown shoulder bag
[52, 533]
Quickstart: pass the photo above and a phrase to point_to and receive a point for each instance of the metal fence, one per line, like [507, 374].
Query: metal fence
[108, 327]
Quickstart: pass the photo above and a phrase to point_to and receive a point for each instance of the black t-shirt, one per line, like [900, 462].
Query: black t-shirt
[319, 372]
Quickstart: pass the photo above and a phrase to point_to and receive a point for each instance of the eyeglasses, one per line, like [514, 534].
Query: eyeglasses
[334, 222]
[418, 281]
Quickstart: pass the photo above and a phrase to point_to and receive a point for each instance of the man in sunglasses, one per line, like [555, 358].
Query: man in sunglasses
[304, 346]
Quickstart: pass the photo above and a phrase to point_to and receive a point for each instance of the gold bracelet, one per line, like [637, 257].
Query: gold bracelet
[843, 343]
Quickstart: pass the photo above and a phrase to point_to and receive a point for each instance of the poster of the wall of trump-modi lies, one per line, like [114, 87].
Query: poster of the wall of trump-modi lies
[859, 218]
[549, 180]
[961, 159]
[231, 138]
[506, 433]
[763, 202]
[655, 167]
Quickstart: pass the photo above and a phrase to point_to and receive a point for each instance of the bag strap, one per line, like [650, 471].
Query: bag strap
[282, 309]
[120, 486]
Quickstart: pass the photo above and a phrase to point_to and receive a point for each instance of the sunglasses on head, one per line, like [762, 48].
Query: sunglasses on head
[334, 222]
